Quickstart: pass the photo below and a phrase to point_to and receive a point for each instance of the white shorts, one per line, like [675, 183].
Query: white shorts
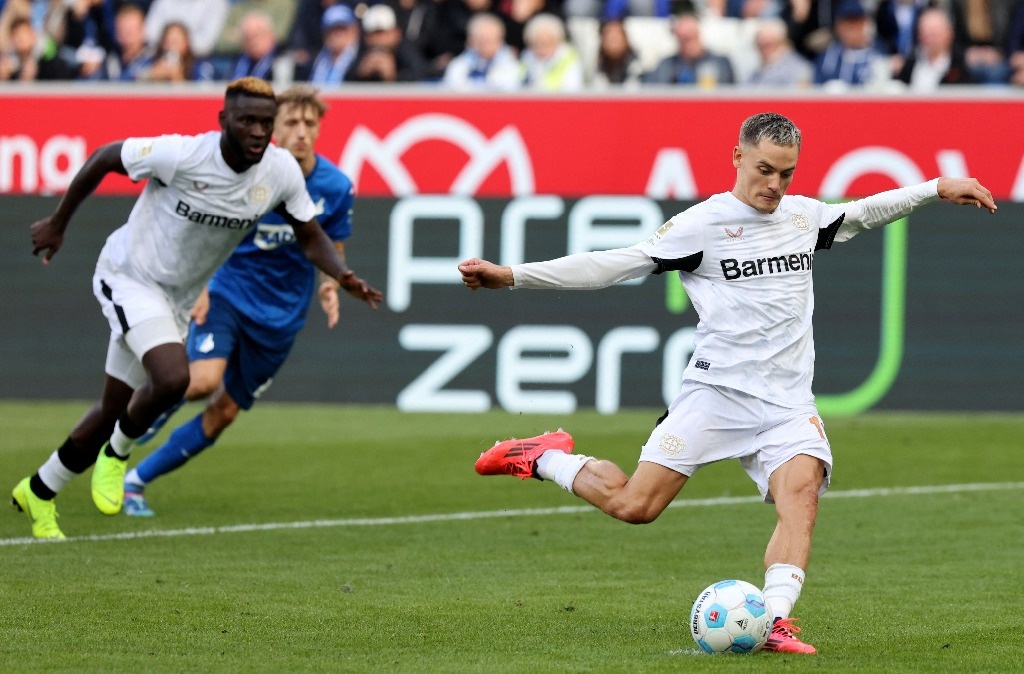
[708, 423]
[140, 317]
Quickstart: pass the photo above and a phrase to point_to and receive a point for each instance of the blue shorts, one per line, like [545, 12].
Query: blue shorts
[253, 353]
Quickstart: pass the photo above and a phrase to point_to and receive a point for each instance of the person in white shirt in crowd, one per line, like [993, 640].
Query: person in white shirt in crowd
[780, 65]
[487, 62]
[745, 258]
[549, 62]
[204, 20]
[937, 60]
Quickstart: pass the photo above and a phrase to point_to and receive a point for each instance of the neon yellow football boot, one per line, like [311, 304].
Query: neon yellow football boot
[43, 513]
[108, 482]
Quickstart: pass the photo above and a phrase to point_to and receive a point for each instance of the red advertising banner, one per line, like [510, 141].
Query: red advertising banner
[660, 146]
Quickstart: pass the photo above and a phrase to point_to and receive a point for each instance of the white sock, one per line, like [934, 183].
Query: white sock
[121, 443]
[782, 585]
[561, 468]
[133, 478]
[55, 474]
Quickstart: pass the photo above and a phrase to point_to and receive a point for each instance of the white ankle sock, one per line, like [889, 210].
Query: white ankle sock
[782, 585]
[54, 473]
[133, 478]
[560, 468]
[121, 443]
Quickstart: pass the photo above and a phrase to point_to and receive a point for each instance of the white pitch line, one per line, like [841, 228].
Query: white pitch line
[490, 514]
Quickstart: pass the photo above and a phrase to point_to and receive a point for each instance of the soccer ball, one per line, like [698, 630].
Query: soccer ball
[730, 616]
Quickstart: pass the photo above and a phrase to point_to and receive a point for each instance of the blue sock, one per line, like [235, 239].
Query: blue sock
[185, 442]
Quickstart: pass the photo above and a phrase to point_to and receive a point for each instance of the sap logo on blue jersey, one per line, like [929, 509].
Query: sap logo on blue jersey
[269, 237]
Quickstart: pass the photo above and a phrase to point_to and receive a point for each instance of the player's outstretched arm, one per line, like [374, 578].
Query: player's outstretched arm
[966, 191]
[48, 233]
[319, 249]
[477, 273]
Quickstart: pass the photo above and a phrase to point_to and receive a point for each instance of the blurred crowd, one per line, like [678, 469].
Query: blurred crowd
[549, 45]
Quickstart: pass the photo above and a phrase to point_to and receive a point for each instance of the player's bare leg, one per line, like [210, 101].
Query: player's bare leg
[167, 373]
[794, 486]
[187, 441]
[205, 377]
[636, 500]
[219, 414]
[168, 370]
[96, 425]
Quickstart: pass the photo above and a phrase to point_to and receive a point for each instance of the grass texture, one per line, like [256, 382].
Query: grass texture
[359, 539]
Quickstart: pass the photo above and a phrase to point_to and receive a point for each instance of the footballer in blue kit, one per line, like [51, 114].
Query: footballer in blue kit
[260, 296]
[254, 306]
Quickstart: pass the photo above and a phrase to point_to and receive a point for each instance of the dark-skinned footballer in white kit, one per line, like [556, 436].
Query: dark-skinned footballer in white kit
[203, 193]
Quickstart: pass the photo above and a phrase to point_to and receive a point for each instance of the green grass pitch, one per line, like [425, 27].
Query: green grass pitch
[359, 539]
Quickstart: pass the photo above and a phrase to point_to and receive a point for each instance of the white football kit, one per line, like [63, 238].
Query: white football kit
[747, 391]
[192, 213]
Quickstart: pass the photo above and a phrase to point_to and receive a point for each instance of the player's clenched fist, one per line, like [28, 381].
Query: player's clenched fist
[477, 273]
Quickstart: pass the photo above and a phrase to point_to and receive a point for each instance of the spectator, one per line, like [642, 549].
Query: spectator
[419, 21]
[810, 25]
[617, 63]
[341, 45]
[896, 24]
[12, 10]
[937, 60]
[449, 39]
[385, 56]
[851, 58]
[550, 63]
[1015, 46]
[132, 57]
[780, 65]
[981, 27]
[259, 47]
[174, 60]
[518, 13]
[487, 63]
[620, 9]
[306, 37]
[204, 20]
[280, 12]
[32, 56]
[692, 63]
[88, 33]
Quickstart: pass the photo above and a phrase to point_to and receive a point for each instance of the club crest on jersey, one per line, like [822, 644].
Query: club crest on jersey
[206, 345]
[738, 234]
[801, 222]
[259, 193]
[320, 206]
[671, 445]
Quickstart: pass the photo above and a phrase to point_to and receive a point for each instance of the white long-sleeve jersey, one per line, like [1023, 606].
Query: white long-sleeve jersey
[749, 277]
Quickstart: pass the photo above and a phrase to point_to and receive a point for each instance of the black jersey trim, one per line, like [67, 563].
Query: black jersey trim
[828, 235]
[688, 263]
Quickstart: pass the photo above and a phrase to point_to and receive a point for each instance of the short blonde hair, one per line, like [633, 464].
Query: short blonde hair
[249, 86]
